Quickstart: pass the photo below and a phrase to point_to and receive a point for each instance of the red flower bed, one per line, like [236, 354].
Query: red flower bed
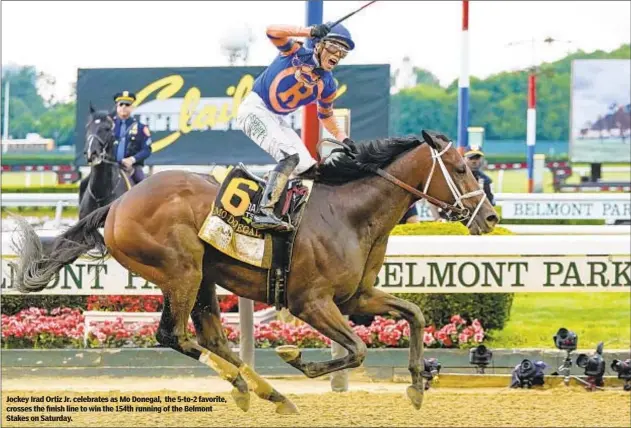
[35, 328]
[229, 303]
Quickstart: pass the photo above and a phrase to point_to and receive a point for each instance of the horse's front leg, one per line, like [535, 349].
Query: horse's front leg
[377, 302]
[323, 315]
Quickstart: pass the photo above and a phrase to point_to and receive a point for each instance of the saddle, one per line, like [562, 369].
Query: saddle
[228, 225]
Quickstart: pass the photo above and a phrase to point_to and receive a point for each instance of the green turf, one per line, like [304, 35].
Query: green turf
[595, 317]
[516, 181]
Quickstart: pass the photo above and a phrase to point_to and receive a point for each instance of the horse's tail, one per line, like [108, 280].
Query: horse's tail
[35, 267]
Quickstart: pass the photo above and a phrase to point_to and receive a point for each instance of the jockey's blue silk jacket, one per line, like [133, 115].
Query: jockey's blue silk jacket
[294, 80]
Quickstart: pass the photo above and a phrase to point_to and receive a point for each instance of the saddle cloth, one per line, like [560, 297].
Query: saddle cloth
[227, 227]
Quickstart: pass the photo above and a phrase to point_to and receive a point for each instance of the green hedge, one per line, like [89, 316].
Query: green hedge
[491, 309]
[15, 303]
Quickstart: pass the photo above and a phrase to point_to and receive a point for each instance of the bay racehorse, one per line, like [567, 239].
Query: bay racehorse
[107, 180]
[339, 249]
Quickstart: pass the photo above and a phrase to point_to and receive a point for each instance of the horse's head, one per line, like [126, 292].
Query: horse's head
[450, 180]
[99, 138]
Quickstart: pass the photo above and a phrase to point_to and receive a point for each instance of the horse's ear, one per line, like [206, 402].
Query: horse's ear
[92, 110]
[430, 140]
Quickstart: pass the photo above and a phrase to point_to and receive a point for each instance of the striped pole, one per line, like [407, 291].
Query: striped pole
[310, 123]
[463, 82]
[531, 127]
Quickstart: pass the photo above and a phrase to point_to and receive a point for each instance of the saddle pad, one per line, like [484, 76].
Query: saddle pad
[227, 226]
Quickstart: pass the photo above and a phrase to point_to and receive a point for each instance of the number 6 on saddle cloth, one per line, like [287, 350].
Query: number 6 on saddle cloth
[228, 225]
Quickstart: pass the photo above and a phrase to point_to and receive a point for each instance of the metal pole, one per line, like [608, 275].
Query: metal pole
[246, 325]
[310, 123]
[531, 127]
[463, 82]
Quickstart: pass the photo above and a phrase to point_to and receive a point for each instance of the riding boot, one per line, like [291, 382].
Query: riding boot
[265, 218]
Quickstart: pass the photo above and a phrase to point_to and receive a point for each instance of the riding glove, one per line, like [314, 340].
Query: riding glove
[319, 31]
[351, 145]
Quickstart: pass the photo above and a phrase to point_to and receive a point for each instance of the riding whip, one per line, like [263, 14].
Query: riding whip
[352, 13]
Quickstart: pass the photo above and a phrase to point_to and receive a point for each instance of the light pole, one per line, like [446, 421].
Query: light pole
[531, 112]
[310, 124]
[463, 82]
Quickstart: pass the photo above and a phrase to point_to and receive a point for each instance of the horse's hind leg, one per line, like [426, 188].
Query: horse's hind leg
[177, 270]
[377, 302]
[206, 316]
[324, 316]
[170, 333]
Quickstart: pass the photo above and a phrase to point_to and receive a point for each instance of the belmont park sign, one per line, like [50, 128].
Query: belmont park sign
[407, 274]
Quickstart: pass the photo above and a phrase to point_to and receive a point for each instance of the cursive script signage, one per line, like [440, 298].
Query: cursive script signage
[191, 111]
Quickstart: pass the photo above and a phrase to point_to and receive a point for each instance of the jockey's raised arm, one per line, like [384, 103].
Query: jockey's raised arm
[300, 75]
[281, 37]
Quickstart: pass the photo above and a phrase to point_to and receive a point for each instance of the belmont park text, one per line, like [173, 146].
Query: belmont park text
[398, 274]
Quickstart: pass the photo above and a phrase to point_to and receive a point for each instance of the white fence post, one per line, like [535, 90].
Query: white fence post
[339, 379]
[246, 324]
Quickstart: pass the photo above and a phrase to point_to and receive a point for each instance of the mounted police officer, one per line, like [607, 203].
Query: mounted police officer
[475, 158]
[301, 74]
[132, 137]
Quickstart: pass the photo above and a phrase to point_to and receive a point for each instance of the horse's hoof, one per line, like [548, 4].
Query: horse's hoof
[286, 408]
[242, 399]
[288, 352]
[415, 394]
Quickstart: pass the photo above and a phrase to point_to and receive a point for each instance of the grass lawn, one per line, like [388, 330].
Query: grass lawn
[516, 181]
[595, 317]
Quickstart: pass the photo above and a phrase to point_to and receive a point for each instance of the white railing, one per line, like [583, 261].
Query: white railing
[14, 200]
[538, 206]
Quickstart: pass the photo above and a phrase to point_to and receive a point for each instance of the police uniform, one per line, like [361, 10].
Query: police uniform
[293, 80]
[132, 138]
[483, 179]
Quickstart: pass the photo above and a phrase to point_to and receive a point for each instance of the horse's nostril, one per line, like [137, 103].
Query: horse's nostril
[492, 219]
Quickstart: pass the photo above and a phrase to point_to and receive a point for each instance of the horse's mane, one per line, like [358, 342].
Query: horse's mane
[339, 168]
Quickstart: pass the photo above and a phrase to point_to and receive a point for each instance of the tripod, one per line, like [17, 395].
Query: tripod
[564, 370]
[479, 369]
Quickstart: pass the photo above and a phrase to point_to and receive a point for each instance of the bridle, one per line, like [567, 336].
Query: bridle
[102, 155]
[102, 158]
[457, 211]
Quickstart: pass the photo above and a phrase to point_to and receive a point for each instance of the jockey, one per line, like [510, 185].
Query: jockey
[133, 139]
[298, 76]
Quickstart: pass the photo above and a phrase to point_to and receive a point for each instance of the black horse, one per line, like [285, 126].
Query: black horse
[107, 180]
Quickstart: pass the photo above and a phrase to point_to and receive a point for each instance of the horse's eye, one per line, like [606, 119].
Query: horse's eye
[461, 169]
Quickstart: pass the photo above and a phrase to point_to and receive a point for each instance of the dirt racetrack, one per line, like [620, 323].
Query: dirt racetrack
[367, 404]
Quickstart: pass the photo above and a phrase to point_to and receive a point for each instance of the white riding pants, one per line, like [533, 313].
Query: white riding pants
[271, 132]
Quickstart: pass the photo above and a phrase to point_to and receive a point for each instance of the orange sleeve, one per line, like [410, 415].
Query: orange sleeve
[280, 36]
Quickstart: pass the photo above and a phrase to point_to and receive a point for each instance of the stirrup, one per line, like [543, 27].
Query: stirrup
[265, 219]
